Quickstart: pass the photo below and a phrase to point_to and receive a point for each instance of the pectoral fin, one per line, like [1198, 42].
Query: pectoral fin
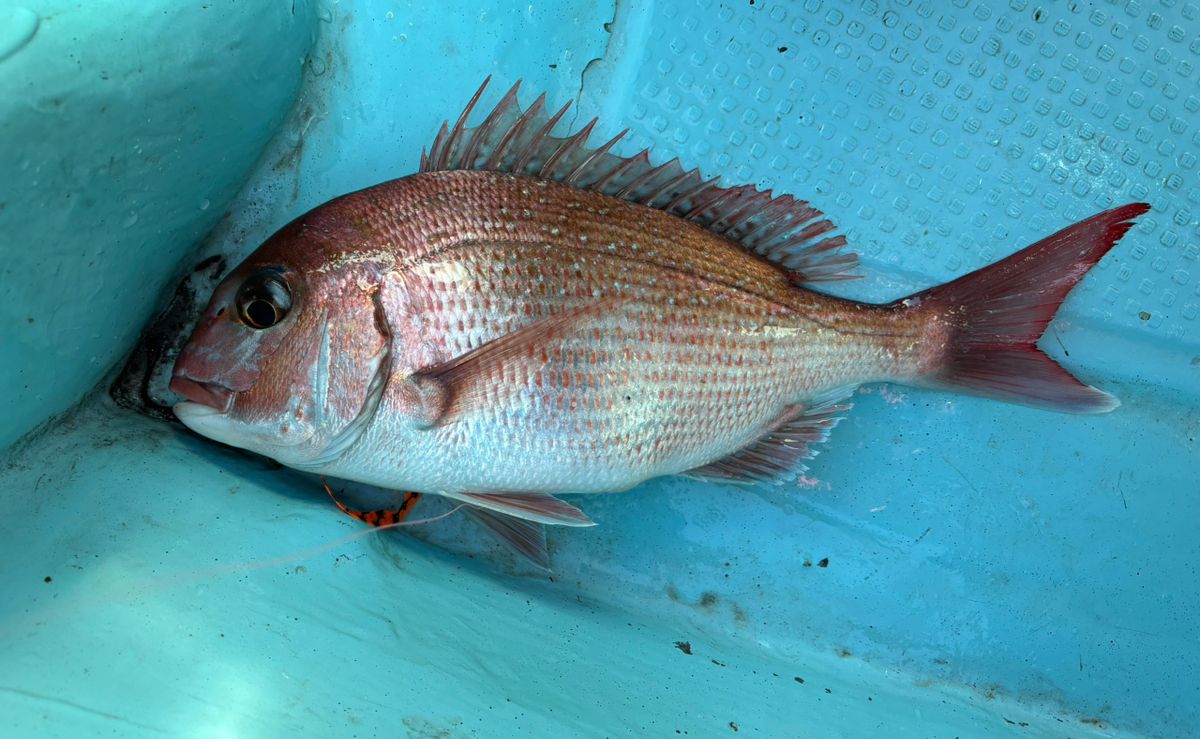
[536, 507]
[450, 388]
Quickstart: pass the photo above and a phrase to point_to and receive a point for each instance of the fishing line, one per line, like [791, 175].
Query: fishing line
[111, 595]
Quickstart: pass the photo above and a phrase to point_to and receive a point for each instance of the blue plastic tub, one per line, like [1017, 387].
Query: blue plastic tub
[951, 567]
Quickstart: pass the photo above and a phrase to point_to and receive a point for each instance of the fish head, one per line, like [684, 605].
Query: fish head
[287, 351]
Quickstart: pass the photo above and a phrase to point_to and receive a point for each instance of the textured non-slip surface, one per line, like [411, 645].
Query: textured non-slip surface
[942, 135]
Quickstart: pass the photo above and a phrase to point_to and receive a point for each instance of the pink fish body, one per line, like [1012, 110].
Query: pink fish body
[527, 316]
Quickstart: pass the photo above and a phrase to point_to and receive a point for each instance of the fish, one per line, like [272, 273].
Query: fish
[528, 316]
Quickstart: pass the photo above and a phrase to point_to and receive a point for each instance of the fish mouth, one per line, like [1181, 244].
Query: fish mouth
[209, 394]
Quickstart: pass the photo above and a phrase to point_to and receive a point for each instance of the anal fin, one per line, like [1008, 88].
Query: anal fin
[789, 441]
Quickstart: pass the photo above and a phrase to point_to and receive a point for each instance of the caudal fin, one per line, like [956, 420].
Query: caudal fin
[995, 316]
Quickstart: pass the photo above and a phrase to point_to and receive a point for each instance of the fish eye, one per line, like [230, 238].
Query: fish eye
[264, 299]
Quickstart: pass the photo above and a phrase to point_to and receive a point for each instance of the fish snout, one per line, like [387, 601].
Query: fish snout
[210, 394]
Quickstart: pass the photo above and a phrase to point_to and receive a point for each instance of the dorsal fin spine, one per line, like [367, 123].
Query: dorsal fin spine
[534, 110]
[532, 148]
[648, 176]
[460, 124]
[571, 143]
[668, 186]
[745, 212]
[485, 128]
[781, 229]
[811, 231]
[438, 142]
[620, 169]
[782, 224]
[719, 197]
[771, 220]
[686, 194]
[573, 178]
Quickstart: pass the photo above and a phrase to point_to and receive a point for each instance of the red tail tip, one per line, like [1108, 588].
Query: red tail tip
[1123, 218]
[997, 314]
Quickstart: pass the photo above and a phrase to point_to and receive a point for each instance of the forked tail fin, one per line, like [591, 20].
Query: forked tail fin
[993, 318]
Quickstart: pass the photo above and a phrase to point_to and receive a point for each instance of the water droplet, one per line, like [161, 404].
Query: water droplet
[130, 219]
[204, 204]
[389, 15]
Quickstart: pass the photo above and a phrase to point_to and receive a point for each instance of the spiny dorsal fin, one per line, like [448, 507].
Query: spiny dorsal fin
[782, 229]
[781, 451]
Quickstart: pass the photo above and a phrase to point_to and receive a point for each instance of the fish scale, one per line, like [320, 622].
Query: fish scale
[529, 316]
[709, 347]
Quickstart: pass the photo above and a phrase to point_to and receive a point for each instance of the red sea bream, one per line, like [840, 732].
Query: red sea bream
[527, 316]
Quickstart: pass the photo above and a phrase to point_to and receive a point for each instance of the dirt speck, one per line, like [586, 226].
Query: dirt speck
[824, 562]
[708, 599]
[782, 49]
[799, 680]
[844, 653]
[808, 563]
[733, 725]
[420, 727]
[1144, 315]
[47, 579]
[1092, 722]
[684, 646]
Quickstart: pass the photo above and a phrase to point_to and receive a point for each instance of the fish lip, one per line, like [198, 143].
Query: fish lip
[209, 394]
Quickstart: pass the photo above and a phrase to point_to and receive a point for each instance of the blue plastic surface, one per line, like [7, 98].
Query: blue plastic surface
[125, 131]
[984, 565]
